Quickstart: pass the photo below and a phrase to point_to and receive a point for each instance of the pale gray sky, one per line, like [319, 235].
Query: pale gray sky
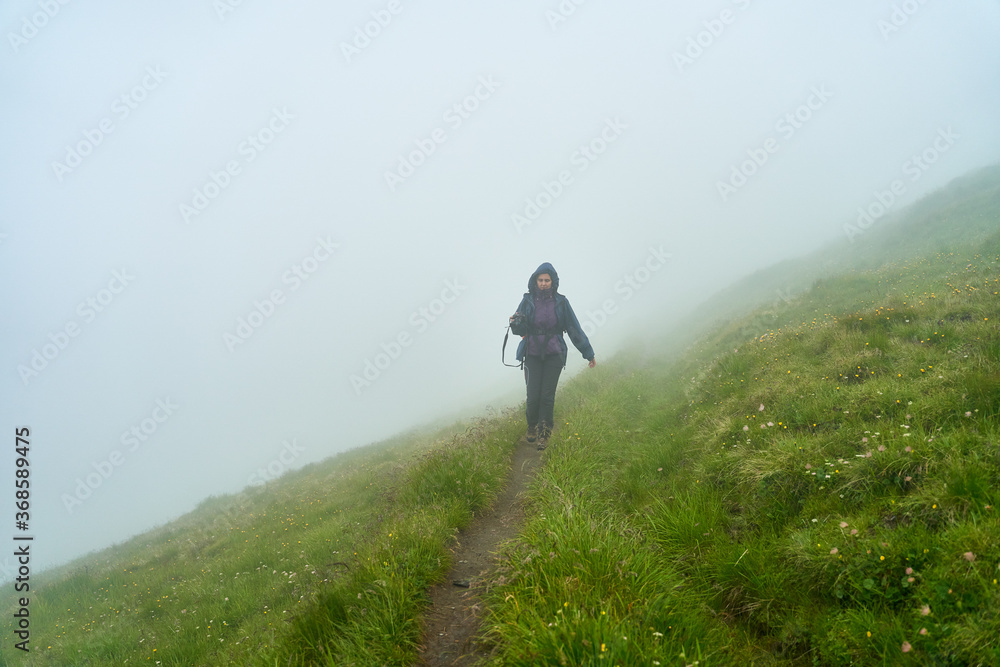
[169, 171]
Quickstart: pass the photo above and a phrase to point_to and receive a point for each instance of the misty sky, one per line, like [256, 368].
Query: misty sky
[216, 215]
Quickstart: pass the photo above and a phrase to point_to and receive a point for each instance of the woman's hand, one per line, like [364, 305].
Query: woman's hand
[593, 362]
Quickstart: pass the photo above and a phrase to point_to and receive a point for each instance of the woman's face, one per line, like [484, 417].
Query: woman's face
[544, 281]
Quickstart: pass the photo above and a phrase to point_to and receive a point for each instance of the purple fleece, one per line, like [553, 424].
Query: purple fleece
[545, 320]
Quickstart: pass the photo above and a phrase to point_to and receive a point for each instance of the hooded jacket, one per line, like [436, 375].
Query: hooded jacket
[565, 317]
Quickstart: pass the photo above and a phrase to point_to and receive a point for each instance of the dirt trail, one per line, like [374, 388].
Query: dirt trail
[453, 618]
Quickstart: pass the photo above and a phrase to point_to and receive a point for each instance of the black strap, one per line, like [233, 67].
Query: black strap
[503, 352]
[548, 333]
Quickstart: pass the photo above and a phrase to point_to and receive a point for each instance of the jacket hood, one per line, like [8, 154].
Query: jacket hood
[544, 268]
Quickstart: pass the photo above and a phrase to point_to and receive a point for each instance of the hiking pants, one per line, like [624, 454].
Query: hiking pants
[541, 376]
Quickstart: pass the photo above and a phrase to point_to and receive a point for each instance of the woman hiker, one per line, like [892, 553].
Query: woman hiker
[541, 318]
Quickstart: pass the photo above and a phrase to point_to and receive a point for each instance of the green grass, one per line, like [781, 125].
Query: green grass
[328, 565]
[797, 494]
[811, 483]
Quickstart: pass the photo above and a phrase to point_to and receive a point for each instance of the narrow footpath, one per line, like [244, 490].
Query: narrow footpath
[454, 616]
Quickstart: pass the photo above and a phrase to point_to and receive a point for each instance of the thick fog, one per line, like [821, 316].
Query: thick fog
[239, 237]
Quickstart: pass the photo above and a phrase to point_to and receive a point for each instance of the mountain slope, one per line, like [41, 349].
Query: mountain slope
[814, 482]
[814, 487]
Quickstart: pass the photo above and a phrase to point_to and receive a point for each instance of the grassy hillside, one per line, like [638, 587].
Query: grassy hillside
[821, 490]
[326, 566]
[963, 214]
[813, 483]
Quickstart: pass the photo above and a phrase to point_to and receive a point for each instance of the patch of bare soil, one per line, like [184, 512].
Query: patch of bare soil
[453, 619]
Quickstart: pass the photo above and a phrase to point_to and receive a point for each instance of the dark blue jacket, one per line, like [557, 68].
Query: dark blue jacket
[565, 317]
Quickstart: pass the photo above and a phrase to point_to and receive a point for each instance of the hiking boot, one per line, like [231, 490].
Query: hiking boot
[531, 435]
[543, 437]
